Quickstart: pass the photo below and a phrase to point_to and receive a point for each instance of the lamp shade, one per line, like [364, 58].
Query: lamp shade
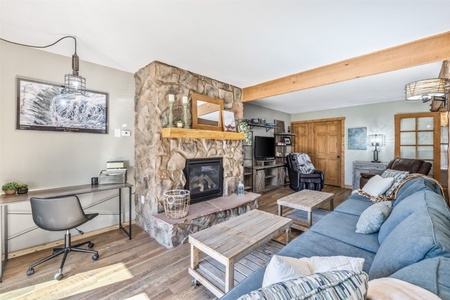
[425, 89]
[376, 140]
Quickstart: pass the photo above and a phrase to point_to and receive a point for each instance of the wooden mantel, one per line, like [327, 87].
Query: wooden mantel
[200, 134]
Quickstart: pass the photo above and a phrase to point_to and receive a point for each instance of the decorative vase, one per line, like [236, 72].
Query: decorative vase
[10, 192]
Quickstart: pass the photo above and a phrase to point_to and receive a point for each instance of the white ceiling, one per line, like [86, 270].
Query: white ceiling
[239, 42]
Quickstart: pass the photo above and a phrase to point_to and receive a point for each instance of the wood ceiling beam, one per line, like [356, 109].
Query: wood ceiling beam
[419, 52]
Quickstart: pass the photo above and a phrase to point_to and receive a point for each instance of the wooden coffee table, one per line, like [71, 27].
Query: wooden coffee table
[306, 200]
[229, 241]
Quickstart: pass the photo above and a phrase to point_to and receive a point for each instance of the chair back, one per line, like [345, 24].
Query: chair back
[410, 165]
[57, 213]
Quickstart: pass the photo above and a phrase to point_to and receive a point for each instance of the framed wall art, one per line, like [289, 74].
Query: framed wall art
[44, 106]
[357, 138]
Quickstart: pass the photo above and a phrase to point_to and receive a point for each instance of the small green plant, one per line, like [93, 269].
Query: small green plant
[22, 185]
[9, 186]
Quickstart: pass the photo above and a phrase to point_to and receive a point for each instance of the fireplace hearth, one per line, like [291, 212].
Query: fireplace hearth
[204, 178]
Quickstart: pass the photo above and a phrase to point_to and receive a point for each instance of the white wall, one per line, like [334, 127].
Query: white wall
[378, 118]
[45, 159]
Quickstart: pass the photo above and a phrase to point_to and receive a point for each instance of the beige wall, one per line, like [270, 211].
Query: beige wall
[46, 159]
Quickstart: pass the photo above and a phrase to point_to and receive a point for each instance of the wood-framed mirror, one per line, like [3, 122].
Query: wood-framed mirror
[206, 112]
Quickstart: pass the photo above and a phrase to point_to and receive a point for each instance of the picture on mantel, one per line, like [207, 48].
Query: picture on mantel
[229, 124]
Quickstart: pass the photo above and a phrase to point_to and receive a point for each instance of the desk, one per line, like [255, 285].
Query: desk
[63, 191]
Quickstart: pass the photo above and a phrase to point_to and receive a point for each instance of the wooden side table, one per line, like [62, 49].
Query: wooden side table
[306, 200]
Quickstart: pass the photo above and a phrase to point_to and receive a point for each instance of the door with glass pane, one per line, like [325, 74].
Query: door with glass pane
[418, 136]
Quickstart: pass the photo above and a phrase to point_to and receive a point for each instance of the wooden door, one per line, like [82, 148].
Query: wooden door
[327, 142]
[322, 140]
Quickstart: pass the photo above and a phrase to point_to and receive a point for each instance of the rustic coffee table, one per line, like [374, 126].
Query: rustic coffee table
[229, 241]
[306, 200]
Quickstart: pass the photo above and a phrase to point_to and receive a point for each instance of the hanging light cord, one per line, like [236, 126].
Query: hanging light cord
[31, 46]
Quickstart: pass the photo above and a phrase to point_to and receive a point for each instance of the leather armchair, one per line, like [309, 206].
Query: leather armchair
[401, 164]
[300, 181]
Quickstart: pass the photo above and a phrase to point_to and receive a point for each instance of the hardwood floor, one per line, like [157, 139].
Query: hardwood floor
[140, 268]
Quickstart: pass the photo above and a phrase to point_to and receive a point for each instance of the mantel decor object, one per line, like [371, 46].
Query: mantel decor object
[185, 115]
[171, 101]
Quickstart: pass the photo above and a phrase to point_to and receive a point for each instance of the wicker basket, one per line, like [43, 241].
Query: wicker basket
[176, 203]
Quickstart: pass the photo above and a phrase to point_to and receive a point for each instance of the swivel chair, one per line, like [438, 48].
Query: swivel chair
[302, 174]
[58, 214]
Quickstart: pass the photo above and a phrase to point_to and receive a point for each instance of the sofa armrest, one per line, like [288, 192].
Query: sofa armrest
[365, 178]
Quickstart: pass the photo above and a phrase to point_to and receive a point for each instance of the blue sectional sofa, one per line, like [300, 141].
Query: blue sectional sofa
[412, 245]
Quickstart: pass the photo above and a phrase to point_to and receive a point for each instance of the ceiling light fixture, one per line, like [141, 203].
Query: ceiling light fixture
[73, 83]
[425, 90]
[433, 89]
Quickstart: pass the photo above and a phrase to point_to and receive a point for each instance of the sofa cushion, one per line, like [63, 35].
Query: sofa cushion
[373, 217]
[422, 234]
[329, 285]
[354, 205]
[431, 274]
[315, 244]
[282, 268]
[341, 226]
[377, 185]
[414, 185]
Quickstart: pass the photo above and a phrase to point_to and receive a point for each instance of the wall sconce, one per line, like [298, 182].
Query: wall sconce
[376, 140]
[73, 83]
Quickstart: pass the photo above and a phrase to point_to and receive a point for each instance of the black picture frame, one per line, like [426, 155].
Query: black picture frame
[43, 106]
[287, 140]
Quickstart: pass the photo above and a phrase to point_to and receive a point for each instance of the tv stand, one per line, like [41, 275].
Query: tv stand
[267, 175]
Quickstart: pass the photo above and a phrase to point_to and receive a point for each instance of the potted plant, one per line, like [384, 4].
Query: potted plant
[180, 124]
[9, 188]
[22, 188]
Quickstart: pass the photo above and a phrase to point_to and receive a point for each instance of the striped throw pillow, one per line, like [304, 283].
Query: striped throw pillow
[398, 176]
[331, 285]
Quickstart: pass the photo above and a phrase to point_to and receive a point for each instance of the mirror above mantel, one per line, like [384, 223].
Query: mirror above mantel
[206, 112]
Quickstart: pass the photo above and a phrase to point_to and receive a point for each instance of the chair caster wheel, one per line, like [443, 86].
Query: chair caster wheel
[95, 257]
[90, 245]
[58, 276]
[30, 271]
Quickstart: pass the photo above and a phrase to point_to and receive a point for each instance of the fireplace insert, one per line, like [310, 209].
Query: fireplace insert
[204, 178]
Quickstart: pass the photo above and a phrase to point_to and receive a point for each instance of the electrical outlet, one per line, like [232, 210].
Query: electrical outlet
[126, 133]
[142, 199]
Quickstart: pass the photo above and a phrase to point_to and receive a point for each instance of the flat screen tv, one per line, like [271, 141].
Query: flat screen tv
[264, 147]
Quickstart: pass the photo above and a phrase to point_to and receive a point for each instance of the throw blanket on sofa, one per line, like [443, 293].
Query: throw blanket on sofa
[303, 163]
[393, 195]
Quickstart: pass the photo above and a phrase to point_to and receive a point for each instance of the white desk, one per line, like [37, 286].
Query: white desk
[63, 191]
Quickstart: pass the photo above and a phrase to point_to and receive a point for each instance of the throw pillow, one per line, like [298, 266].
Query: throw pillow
[281, 268]
[396, 289]
[377, 185]
[332, 285]
[373, 217]
[398, 177]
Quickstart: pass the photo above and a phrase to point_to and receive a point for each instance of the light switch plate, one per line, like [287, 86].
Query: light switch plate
[117, 132]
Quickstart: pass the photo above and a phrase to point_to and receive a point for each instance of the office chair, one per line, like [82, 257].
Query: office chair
[58, 214]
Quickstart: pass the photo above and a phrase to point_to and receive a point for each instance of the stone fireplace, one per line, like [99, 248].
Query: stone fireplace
[160, 162]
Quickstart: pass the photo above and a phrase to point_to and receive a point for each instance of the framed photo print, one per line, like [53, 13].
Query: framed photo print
[44, 106]
[287, 140]
[229, 124]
